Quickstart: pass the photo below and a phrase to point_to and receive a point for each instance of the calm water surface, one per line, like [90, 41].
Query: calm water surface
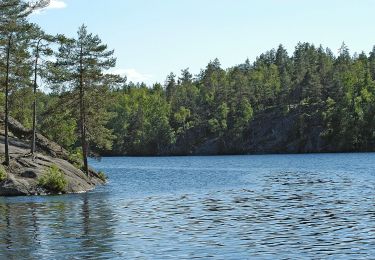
[230, 207]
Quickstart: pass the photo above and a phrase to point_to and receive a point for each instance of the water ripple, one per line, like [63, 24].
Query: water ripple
[300, 212]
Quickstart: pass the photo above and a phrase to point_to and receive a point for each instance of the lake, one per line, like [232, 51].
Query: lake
[229, 207]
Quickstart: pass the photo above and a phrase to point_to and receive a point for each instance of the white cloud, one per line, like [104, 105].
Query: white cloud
[56, 4]
[133, 75]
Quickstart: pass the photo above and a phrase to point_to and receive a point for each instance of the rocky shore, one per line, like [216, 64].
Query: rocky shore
[25, 171]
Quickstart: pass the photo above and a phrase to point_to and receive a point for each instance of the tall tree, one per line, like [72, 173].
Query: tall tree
[170, 86]
[284, 65]
[40, 45]
[81, 65]
[13, 40]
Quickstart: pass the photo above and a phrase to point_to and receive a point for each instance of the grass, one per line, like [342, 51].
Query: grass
[3, 173]
[53, 179]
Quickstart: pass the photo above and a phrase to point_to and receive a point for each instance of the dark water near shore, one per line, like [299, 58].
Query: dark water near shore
[230, 207]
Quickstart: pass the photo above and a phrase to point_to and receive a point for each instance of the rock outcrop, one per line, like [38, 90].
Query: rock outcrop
[25, 171]
[298, 130]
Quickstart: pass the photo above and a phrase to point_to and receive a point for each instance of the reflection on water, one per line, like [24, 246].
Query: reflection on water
[242, 207]
[56, 229]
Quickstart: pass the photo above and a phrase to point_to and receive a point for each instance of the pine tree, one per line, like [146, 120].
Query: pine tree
[170, 86]
[284, 65]
[40, 48]
[81, 65]
[14, 29]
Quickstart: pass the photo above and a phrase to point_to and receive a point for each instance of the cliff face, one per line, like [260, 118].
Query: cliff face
[275, 131]
[299, 130]
[24, 171]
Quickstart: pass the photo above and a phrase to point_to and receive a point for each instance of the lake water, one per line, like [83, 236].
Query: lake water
[229, 207]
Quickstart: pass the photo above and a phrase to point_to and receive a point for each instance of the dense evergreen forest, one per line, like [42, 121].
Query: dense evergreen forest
[312, 100]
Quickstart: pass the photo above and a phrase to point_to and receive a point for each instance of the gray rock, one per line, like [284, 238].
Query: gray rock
[24, 171]
[29, 174]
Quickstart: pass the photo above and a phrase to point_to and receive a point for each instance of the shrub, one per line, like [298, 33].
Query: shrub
[102, 176]
[3, 173]
[75, 157]
[53, 179]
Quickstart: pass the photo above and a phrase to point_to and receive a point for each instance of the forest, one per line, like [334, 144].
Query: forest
[311, 100]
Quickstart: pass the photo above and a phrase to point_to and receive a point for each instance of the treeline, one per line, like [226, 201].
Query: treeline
[188, 111]
[89, 111]
[220, 104]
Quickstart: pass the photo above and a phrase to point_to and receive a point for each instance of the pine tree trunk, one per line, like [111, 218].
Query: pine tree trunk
[6, 121]
[83, 117]
[33, 143]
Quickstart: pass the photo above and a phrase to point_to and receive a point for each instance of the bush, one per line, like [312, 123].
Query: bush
[3, 173]
[53, 179]
[102, 176]
[75, 157]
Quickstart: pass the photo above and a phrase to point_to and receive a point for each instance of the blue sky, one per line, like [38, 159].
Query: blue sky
[152, 38]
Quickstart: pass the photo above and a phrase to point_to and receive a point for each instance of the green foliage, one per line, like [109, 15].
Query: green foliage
[56, 121]
[218, 124]
[80, 75]
[21, 106]
[182, 115]
[75, 157]
[221, 103]
[60, 128]
[53, 179]
[3, 174]
[244, 116]
[102, 176]
[89, 106]
[141, 124]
